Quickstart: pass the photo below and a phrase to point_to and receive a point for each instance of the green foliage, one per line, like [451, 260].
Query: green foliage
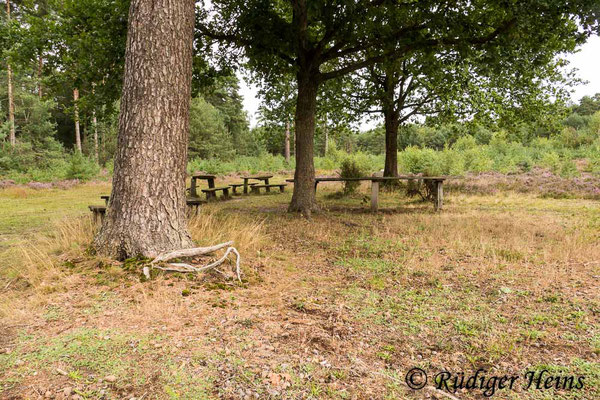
[208, 134]
[80, 167]
[354, 166]
[588, 105]
[263, 163]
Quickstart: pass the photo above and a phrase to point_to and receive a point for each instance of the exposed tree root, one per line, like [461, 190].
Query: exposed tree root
[196, 251]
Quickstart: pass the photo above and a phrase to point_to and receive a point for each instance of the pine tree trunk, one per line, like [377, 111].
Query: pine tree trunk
[76, 116]
[303, 198]
[287, 142]
[39, 75]
[146, 215]
[95, 127]
[12, 138]
[326, 146]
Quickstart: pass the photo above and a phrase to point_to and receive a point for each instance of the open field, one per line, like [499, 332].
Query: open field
[340, 306]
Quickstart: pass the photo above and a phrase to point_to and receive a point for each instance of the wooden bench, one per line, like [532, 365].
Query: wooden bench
[435, 183]
[99, 212]
[264, 178]
[192, 203]
[256, 188]
[211, 193]
[234, 186]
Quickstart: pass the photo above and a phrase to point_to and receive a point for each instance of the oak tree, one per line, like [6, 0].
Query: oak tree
[319, 41]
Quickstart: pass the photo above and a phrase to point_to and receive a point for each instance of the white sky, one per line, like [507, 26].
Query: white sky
[586, 61]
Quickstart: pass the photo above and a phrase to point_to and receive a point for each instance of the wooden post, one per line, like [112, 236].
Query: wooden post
[374, 195]
[439, 195]
[245, 185]
[193, 192]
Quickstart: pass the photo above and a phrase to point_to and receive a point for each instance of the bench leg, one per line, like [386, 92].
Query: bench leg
[374, 196]
[192, 210]
[225, 194]
[245, 186]
[282, 189]
[268, 189]
[439, 196]
[193, 192]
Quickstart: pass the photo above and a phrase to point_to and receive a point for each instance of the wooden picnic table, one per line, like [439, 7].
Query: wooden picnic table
[264, 178]
[195, 177]
[438, 182]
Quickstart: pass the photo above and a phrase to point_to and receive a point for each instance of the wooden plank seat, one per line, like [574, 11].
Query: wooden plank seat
[256, 188]
[194, 204]
[99, 212]
[436, 184]
[234, 186]
[211, 193]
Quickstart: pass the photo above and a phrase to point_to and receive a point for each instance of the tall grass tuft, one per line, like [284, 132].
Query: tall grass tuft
[210, 227]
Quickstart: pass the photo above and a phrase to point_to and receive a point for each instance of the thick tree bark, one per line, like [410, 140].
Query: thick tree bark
[391, 143]
[76, 113]
[146, 215]
[303, 198]
[287, 142]
[12, 138]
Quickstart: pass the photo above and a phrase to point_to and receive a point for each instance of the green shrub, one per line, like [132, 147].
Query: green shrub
[353, 167]
[81, 167]
[568, 169]
[477, 159]
[420, 161]
[551, 160]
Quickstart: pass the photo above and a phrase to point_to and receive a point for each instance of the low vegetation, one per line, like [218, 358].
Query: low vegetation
[341, 306]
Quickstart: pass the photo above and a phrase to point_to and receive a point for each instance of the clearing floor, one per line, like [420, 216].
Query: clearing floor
[340, 306]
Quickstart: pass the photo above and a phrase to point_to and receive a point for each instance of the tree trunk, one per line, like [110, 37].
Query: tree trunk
[303, 199]
[39, 75]
[76, 116]
[287, 142]
[391, 143]
[12, 138]
[95, 127]
[391, 115]
[326, 146]
[146, 215]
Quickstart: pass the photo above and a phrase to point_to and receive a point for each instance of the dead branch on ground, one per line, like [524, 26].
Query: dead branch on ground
[193, 252]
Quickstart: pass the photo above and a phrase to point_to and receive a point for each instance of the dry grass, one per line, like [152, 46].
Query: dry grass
[211, 226]
[34, 268]
[336, 305]
[43, 264]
